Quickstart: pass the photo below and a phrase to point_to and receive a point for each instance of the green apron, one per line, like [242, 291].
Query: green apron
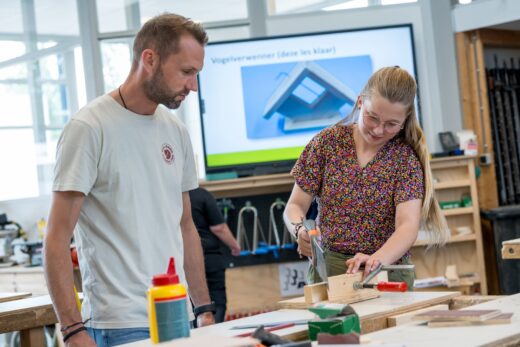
[336, 266]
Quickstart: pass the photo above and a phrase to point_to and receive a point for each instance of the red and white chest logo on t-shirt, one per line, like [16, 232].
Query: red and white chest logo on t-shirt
[167, 153]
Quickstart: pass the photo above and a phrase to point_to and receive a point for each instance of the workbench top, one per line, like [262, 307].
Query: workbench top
[420, 335]
[373, 314]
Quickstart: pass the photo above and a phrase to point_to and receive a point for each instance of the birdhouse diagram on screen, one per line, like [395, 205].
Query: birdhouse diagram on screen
[291, 98]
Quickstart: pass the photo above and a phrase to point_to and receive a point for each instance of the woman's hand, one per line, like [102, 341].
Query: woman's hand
[371, 263]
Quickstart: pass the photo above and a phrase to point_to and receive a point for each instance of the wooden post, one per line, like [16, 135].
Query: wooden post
[33, 337]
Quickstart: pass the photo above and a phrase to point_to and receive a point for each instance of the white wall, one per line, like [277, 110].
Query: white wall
[485, 13]
[26, 212]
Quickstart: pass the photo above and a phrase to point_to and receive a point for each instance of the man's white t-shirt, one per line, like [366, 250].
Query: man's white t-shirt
[133, 170]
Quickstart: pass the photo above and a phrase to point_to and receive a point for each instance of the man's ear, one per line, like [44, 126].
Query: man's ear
[150, 60]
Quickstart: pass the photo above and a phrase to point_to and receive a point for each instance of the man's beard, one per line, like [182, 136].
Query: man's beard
[157, 91]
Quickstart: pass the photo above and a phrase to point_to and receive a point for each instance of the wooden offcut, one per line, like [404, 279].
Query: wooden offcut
[341, 289]
[504, 318]
[406, 318]
[511, 249]
[314, 293]
[459, 315]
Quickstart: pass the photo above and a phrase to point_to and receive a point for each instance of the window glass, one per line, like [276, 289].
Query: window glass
[16, 105]
[55, 104]
[116, 55]
[200, 10]
[56, 18]
[228, 34]
[117, 15]
[300, 6]
[19, 179]
[18, 71]
[11, 49]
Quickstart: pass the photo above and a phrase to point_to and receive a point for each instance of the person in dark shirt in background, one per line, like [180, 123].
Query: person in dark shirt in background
[213, 232]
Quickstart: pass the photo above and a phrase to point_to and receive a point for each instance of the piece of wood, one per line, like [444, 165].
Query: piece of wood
[420, 335]
[452, 276]
[4, 297]
[511, 249]
[33, 337]
[463, 301]
[314, 293]
[341, 289]
[472, 315]
[504, 318]
[247, 186]
[26, 314]
[406, 318]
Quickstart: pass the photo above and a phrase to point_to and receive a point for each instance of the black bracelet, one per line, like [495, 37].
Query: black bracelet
[67, 327]
[73, 332]
[205, 308]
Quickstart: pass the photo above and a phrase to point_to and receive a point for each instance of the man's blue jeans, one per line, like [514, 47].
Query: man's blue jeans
[115, 337]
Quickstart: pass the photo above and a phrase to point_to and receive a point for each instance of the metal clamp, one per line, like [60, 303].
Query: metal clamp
[378, 269]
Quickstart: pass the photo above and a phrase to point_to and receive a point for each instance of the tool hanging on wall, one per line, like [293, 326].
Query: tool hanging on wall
[504, 95]
[225, 205]
[258, 247]
[285, 242]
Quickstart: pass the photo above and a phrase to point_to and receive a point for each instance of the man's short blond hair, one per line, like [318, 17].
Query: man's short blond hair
[162, 34]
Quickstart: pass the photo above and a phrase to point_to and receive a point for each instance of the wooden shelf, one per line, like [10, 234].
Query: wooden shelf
[248, 186]
[453, 239]
[453, 184]
[458, 211]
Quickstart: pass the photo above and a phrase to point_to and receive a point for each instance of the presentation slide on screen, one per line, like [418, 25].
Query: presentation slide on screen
[265, 99]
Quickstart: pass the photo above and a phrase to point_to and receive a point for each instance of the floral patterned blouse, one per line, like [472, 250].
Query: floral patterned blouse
[357, 204]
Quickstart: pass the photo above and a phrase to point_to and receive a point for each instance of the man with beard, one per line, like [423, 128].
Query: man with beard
[123, 171]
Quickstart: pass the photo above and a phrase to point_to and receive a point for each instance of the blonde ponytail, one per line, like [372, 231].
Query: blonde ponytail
[397, 85]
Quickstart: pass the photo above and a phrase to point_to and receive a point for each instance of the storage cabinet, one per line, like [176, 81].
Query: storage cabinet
[455, 183]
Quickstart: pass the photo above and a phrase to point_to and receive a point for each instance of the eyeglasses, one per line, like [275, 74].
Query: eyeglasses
[374, 122]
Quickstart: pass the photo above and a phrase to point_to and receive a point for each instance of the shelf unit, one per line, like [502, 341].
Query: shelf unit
[455, 177]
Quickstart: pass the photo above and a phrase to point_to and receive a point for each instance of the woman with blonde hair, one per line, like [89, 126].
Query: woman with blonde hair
[370, 175]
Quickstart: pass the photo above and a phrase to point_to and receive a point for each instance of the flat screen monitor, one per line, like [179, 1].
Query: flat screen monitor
[262, 100]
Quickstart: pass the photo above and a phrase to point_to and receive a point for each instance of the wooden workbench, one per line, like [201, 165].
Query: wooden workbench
[373, 314]
[419, 335]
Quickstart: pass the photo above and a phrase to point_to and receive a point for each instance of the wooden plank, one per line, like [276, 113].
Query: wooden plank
[34, 337]
[487, 335]
[500, 38]
[4, 297]
[503, 318]
[26, 313]
[247, 186]
[341, 289]
[470, 300]
[472, 315]
[406, 318]
[205, 340]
